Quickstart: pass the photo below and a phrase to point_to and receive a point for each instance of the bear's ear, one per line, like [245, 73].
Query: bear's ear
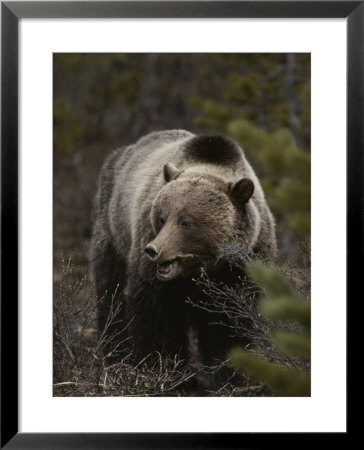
[170, 172]
[241, 191]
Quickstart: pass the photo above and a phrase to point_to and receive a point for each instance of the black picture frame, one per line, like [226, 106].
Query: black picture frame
[11, 12]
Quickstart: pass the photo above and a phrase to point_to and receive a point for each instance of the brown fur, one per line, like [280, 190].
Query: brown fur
[185, 195]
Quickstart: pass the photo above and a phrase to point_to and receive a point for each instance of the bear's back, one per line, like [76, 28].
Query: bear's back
[216, 150]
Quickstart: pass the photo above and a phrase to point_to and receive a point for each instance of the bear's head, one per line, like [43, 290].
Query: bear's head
[193, 215]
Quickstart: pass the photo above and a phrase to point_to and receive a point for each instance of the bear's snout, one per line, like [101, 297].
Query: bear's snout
[152, 251]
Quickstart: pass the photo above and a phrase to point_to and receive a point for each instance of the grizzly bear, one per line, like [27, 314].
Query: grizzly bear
[165, 208]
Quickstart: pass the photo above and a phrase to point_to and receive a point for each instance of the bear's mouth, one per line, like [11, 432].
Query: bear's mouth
[168, 270]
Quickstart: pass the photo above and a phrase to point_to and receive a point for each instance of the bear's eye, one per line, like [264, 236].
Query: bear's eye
[185, 223]
[161, 220]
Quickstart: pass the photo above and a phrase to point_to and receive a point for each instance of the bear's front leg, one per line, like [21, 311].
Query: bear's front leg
[215, 342]
[108, 274]
[156, 323]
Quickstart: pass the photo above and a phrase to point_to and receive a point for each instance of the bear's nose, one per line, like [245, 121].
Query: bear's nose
[152, 251]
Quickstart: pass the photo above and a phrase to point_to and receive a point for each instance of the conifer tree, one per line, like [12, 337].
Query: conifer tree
[282, 303]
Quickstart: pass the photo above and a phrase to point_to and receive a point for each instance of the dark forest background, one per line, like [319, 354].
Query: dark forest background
[105, 101]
